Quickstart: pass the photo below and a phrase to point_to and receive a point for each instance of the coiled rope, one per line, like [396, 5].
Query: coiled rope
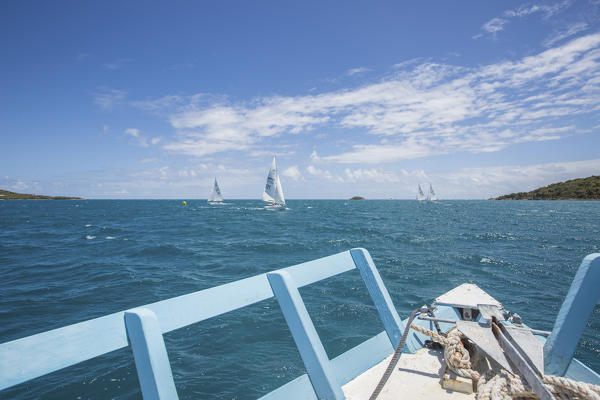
[503, 385]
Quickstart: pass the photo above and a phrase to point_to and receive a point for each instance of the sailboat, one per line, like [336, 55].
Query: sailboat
[273, 193]
[420, 194]
[431, 195]
[215, 196]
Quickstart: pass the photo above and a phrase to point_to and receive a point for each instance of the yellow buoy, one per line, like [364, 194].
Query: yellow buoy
[184, 203]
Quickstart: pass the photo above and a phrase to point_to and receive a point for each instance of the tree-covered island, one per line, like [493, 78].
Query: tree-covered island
[7, 195]
[575, 189]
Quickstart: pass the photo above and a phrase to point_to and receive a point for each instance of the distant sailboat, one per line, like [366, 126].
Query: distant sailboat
[431, 195]
[215, 196]
[273, 193]
[420, 194]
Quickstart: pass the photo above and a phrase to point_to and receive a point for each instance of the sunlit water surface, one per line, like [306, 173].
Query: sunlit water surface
[63, 262]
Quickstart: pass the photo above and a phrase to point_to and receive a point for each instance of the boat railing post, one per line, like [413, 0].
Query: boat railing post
[308, 343]
[150, 355]
[572, 317]
[392, 323]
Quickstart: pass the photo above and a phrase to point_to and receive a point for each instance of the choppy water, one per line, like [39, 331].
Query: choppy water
[63, 262]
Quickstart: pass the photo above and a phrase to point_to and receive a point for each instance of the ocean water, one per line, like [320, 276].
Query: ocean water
[63, 262]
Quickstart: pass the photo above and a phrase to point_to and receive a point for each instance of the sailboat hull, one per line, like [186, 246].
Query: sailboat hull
[275, 207]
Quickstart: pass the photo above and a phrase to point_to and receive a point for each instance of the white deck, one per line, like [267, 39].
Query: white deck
[467, 295]
[416, 376]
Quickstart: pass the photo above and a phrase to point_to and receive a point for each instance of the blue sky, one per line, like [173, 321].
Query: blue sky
[152, 100]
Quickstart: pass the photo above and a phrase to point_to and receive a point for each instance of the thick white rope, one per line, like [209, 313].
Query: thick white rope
[503, 385]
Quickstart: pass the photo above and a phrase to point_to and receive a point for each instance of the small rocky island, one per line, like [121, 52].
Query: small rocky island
[575, 189]
[7, 195]
[357, 198]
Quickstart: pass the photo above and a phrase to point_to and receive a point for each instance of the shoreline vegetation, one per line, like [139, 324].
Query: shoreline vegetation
[575, 189]
[357, 198]
[7, 195]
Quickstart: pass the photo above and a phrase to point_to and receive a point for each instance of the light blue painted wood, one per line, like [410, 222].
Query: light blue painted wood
[357, 360]
[441, 311]
[297, 389]
[36, 355]
[150, 354]
[572, 317]
[387, 312]
[305, 335]
[346, 366]
[580, 372]
[29, 357]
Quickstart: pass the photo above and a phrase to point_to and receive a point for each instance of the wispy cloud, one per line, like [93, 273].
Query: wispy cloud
[141, 140]
[495, 181]
[570, 31]
[494, 25]
[422, 110]
[325, 174]
[83, 56]
[292, 172]
[107, 98]
[117, 64]
[355, 71]
[376, 175]
[497, 24]
[132, 132]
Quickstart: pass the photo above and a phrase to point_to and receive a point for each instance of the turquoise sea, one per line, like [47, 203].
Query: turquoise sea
[63, 262]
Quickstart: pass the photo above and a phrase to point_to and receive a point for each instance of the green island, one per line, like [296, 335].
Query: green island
[7, 195]
[575, 189]
[357, 198]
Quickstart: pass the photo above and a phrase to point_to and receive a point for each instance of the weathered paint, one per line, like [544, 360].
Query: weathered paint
[572, 317]
[387, 312]
[305, 335]
[150, 354]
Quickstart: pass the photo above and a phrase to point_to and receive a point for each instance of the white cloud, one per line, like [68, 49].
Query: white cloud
[314, 157]
[497, 24]
[141, 140]
[158, 105]
[107, 98]
[117, 64]
[148, 160]
[494, 25]
[292, 172]
[494, 181]
[370, 175]
[570, 31]
[324, 174]
[424, 110]
[359, 70]
[133, 132]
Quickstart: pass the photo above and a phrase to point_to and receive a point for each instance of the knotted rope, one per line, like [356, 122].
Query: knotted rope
[503, 385]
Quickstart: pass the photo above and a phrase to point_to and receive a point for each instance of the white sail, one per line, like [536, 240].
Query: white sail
[431, 196]
[215, 196]
[273, 192]
[420, 194]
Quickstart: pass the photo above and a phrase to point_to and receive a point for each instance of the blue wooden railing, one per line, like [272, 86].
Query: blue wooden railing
[142, 328]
